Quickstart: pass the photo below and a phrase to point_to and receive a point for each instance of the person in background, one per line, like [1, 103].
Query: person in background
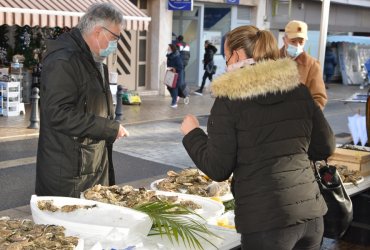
[208, 64]
[174, 63]
[329, 65]
[184, 50]
[264, 129]
[310, 73]
[77, 128]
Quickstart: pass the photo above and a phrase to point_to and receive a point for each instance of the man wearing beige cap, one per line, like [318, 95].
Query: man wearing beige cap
[309, 68]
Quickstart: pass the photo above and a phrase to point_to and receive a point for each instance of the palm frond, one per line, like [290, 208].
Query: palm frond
[167, 220]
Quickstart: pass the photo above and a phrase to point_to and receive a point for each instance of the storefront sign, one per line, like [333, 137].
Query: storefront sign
[232, 1]
[181, 5]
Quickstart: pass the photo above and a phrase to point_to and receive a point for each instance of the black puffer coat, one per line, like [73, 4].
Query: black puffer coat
[263, 129]
[210, 51]
[77, 125]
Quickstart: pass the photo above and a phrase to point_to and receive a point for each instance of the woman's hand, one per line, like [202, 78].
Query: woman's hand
[122, 132]
[189, 123]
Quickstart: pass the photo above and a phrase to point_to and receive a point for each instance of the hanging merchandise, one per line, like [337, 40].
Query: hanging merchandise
[26, 39]
[24, 45]
[5, 49]
[58, 31]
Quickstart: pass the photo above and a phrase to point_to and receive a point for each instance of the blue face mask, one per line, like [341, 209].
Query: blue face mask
[294, 51]
[112, 46]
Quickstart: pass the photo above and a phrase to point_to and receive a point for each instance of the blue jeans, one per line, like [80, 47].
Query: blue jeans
[174, 93]
[304, 236]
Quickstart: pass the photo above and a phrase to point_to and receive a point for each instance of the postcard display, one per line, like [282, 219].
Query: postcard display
[9, 98]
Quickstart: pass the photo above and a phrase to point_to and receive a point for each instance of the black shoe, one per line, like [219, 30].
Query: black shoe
[198, 92]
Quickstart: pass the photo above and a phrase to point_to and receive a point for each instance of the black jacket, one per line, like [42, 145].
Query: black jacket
[210, 51]
[77, 125]
[184, 50]
[263, 128]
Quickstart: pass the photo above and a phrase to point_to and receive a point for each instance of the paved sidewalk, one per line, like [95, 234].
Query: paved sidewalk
[153, 108]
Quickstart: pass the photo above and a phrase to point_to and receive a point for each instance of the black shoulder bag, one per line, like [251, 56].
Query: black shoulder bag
[340, 210]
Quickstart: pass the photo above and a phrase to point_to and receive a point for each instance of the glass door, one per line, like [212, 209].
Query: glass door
[186, 23]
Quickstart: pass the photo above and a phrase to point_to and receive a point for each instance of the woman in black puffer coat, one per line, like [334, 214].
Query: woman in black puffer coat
[265, 129]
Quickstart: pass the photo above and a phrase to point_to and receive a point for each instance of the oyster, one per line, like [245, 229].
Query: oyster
[48, 205]
[127, 196]
[348, 175]
[193, 181]
[24, 234]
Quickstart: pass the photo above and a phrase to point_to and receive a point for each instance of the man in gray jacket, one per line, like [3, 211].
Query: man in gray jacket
[77, 128]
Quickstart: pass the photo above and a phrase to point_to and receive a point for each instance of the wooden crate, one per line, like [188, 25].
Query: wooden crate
[353, 159]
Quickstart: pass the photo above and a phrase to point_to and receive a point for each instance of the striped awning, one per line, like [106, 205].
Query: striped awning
[64, 13]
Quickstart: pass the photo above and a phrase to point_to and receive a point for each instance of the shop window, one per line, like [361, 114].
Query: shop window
[142, 73]
[142, 50]
[214, 16]
[143, 4]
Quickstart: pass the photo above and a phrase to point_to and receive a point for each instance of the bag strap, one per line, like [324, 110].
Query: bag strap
[316, 171]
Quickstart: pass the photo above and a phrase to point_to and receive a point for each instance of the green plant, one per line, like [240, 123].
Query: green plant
[229, 205]
[168, 220]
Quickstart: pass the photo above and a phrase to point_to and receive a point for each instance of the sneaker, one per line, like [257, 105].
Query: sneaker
[186, 100]
[174, 106]
[198, 92]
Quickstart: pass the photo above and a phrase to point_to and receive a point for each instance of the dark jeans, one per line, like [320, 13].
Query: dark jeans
[174, 93]
[205, 76]
[305, 236]
[328, 78]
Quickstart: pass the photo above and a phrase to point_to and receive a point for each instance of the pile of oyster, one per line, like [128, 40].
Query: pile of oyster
[193, 181]
[24, 234]
[128, 196]
[48, 205]
[348, 175]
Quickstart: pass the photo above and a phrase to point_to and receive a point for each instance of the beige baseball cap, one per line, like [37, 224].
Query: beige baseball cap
[296, 29]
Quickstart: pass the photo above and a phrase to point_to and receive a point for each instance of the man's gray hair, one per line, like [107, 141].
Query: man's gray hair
[99, 14]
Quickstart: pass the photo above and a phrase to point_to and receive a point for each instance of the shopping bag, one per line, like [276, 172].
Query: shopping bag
[340, 210]
[170, 79]
[211, 68]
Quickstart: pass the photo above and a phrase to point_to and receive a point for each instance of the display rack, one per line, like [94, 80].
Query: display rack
[10, 98]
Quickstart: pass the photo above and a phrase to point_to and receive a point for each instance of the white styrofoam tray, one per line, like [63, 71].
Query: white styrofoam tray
[97, 221]
[210, 208]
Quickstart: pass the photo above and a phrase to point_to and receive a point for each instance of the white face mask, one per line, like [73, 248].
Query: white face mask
[240, 64]
[294, 51]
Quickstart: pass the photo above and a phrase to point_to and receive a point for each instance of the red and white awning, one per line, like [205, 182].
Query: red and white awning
[61, 13]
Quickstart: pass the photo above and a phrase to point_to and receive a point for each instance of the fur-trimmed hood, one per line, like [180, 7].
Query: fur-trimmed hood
[262, 78]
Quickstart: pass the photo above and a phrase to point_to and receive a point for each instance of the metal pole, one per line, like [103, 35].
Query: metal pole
[34, 118]
[325, 9]
[119, 112]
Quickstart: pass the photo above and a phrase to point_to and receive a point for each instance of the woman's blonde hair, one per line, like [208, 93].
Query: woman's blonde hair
[257, 44]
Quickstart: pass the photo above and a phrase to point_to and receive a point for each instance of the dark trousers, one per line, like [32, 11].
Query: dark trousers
[328, 78]
[307, 236]
[205, 76]
[174, 94]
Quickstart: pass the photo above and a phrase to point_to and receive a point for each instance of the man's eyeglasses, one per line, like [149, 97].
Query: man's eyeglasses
[115, 35]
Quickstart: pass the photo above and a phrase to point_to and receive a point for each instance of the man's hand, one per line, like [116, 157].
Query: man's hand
[122, 132]
[189, 123]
